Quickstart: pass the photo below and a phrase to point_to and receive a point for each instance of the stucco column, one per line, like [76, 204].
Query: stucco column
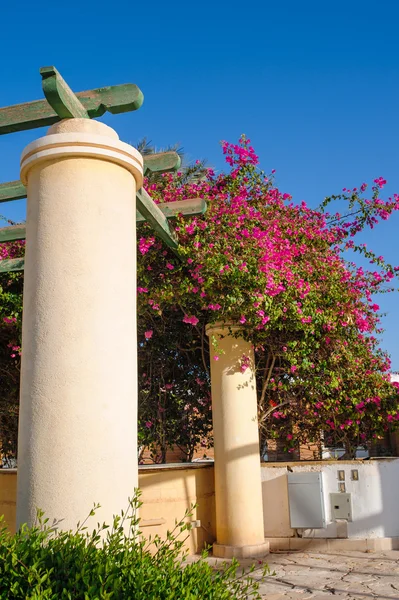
[238, 490]
[78, 410]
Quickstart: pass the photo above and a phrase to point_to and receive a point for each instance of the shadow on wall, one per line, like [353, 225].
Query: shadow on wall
[169, 490]
[276, 511]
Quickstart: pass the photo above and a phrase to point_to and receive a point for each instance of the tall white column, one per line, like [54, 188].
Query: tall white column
[78, 408]
[238, 488]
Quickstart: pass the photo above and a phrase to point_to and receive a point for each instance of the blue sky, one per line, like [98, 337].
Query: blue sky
[315, 85]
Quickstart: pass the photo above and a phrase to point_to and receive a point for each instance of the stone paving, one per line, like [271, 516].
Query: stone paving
[302, 576]
[351, 575]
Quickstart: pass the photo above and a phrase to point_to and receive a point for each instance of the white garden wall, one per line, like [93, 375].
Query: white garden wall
[375, 498]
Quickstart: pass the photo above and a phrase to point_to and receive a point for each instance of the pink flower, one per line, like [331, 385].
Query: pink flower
[142, 290]
[306, 320]
[293, 369]
[148, 424]
[169, 266]
[284, 348]
[214, 306]
[191, 320]
[245, 363]
[148, 334]
[243, 320]
[9, 320]
[216, 357]
[289, 436]
[145, 244]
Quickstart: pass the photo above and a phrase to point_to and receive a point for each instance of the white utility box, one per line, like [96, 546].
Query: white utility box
[341, 506]
[306, 500]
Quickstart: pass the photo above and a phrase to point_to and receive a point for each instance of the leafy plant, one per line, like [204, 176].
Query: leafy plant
[112, 563]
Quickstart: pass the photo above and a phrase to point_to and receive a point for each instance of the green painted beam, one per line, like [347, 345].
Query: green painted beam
[161, 162]
[12, 190]
[11, 264]
[60, 96]
[155, 217]
[115, 99]
[188, 208]
[12, 233]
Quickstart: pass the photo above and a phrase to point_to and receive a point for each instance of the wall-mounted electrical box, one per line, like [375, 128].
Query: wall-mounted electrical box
[306, 501]
[341, 506]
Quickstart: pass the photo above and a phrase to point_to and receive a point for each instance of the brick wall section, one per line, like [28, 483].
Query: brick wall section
[176, 455]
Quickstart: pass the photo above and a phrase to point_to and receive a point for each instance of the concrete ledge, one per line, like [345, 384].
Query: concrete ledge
[334, 544]
[325, 462]
[256, 551]
[206, 464]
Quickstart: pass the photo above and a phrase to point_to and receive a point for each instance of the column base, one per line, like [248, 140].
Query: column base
[255, 551]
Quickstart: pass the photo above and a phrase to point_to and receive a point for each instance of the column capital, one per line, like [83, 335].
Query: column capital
[82, 138]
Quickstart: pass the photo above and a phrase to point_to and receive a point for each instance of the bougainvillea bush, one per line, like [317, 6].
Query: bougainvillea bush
[174, 397]
[285, 272]
[10, 352]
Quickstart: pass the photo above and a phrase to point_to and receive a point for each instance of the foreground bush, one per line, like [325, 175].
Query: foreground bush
[43, 563]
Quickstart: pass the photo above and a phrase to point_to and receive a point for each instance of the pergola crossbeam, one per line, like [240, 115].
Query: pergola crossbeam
[188, 208]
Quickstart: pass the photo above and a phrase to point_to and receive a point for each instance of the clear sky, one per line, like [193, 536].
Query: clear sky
[315, 85]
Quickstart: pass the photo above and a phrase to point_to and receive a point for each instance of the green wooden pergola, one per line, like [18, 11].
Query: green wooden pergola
[62, 103]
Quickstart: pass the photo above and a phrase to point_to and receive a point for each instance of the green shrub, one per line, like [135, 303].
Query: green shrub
[43, 563]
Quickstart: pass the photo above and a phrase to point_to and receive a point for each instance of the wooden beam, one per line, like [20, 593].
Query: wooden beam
[12, 190]
[188, 208]
[60, 96]
[12, 233]
[11, 264]
[161, 162]
[115, 99]
[155, 217]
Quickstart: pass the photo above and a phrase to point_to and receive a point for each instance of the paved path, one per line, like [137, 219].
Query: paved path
[346, 575]
[302, 576]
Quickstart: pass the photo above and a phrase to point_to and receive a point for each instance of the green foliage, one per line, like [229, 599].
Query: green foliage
[42, 563]
[10, 360]
[174, 390]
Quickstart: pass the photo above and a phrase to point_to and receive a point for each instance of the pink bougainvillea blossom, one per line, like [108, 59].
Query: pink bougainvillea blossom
[192, 320]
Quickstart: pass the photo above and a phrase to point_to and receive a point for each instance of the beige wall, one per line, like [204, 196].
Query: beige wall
[8, 495]
[167, 491]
